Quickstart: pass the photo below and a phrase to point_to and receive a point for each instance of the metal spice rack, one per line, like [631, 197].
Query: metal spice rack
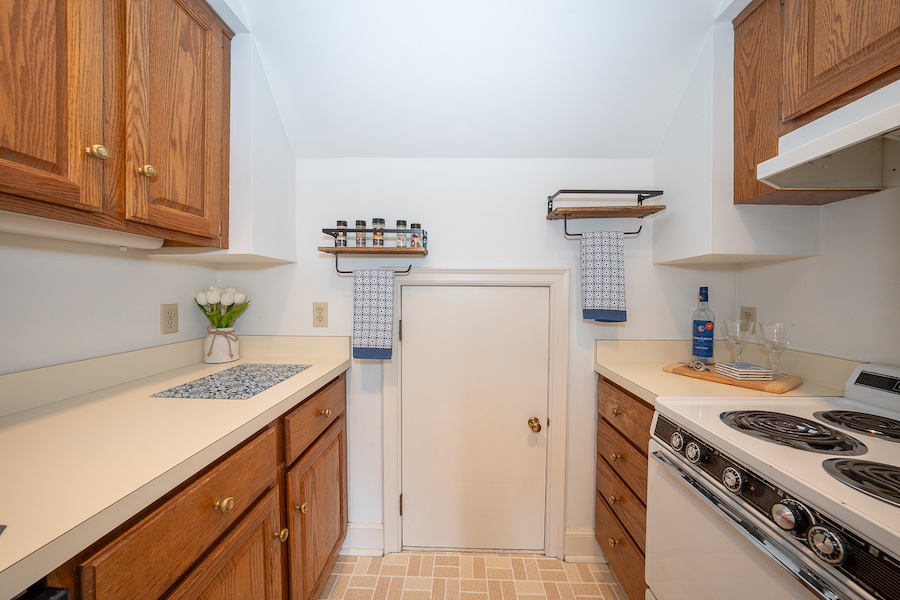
[373, 250]
[638, 211]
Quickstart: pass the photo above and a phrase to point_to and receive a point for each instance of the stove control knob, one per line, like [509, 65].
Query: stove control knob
[826, 544]
[694, 452]
[677, 441]
[733, 479]
[791, 516]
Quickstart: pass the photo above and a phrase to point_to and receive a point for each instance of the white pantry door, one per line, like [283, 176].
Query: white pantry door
[474, 370]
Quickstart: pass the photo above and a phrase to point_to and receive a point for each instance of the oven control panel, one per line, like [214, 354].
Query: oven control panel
[832, 543]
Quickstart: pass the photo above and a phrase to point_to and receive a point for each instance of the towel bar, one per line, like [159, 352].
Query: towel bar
[396, 271]
[578, 235]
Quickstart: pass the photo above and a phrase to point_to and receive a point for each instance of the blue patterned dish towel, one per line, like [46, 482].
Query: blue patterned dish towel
[603, 276]
[373, 313]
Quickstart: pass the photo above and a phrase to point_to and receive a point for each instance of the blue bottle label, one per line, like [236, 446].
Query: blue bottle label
[703, 339]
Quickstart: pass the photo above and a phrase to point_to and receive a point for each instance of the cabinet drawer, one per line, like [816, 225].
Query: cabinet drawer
[626, 413]
[149, 558]
[623, 502]
[625, 459]
[304, 424]
[625, 559]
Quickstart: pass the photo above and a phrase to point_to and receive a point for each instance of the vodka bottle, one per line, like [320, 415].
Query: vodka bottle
[704, 323]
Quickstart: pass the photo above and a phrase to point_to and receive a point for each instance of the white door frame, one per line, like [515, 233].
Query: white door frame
[557, 280]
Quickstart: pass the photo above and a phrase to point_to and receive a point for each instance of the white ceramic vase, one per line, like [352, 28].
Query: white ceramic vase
[221, 345]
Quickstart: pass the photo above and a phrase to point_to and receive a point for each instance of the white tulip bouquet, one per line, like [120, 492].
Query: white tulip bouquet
[222, 306]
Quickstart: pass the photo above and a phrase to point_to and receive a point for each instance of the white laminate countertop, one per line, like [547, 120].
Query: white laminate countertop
[637, 366]
[75, 469]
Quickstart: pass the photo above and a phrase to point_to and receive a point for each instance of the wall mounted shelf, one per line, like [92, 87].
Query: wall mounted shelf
[638, 211]
[374, 250]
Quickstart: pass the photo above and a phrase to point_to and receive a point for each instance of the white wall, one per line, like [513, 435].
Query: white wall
[479, 213]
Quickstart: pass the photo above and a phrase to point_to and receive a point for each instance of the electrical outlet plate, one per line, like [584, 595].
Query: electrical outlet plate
[320, 314]
[748, 313]
[168, 318]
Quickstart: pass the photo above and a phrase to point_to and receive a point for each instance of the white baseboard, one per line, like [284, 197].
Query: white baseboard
[581, 547]
[367, 539]
[364, 539]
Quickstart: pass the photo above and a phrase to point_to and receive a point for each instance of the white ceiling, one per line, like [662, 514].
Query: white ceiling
[478, 78]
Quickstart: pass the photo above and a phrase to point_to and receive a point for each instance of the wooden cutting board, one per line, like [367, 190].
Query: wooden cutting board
[779, 385]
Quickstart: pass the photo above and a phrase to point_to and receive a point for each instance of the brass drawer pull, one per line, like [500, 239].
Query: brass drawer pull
[97, 151]
[225, 506]
[282, 535]
[616, 412]
[147, 171]
[612, 500]
[325, 412]
[303, 508]
[612, 543]
[614, 457]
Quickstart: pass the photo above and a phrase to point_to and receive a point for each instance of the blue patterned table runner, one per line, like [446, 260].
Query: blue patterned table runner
[237, 383]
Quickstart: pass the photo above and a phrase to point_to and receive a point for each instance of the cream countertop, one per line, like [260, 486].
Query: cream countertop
[636, 366]
[75, 469]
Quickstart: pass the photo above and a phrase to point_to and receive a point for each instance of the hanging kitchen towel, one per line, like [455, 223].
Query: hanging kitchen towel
[373, 313]
[603, 276]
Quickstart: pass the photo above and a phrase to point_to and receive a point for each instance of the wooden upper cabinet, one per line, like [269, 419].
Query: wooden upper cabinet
[833, 46]
[176, 106]
[51, 101]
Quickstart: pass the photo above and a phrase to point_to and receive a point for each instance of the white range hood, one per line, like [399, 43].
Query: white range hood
[854, 147]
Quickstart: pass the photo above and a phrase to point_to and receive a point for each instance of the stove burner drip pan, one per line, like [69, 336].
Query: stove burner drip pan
[875, 479]
[877, 426]
[792, 431]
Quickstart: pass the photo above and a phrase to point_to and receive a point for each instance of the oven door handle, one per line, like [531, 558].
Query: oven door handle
[789, 558]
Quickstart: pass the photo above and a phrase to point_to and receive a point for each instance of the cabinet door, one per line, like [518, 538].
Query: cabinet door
[51, 103]
[834, 46]
[176, 115]
[317, 509]
[246, 564]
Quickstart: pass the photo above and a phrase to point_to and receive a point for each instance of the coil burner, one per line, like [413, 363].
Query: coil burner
[793, 431]
[875, 479]
[881, 427]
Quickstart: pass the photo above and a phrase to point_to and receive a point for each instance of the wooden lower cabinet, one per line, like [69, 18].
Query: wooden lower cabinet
[317, 511]
[620, 512]
[246, 564]
[223, 533]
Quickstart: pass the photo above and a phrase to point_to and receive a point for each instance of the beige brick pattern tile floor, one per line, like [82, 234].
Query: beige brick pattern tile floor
[467, 576]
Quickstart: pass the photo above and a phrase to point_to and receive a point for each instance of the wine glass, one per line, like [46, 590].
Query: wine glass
[776, 337]
[737, 332]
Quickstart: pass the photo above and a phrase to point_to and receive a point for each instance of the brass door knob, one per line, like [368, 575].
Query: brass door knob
[282, 535]
[97, 151]
[303, 508]
[616, 412]
[612, 500]
[225, 506]
[614, 457]
[147, 171]
[535, 424]
[325, 412]
[612, 543]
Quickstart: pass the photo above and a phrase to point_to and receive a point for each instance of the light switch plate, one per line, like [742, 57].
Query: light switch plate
[168, 318]
[320, 314]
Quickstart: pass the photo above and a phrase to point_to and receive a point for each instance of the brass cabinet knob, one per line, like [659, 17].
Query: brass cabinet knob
[612, 543]
[225, 506]
[326, 412]
[614, 457]
[612, 500]
[282, 535]
[303, 508]
[535, 424]
[616, 412]
[147, 171]
[97, 151]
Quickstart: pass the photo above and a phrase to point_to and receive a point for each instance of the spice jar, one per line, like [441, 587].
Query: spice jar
[360, 235]
[378, 233]
[340, 240]
[401, 233]
[415, 236]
